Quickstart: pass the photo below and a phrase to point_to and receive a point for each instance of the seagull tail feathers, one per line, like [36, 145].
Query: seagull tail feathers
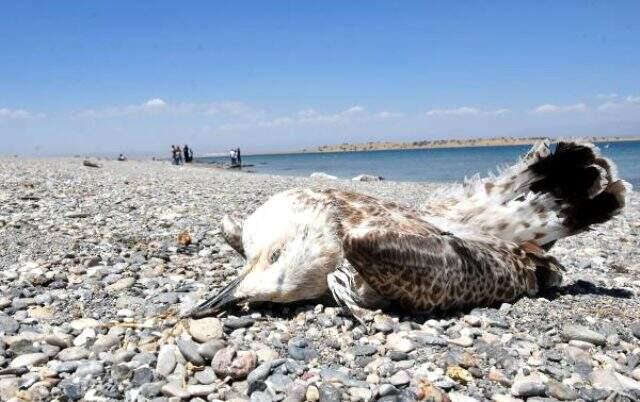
[544, 197]
[583, 184]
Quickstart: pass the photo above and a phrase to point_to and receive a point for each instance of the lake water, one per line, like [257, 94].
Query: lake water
[428, 165]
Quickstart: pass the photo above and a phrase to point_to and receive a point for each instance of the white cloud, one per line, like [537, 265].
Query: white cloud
[629, 102]
[229, 108]
[611, 106]
[551, 108]
[310, 116]
[14, 113]
[155, 103]
[466, 111]
[387, 115]
[152, 105]
[313, 116]
[354, 110]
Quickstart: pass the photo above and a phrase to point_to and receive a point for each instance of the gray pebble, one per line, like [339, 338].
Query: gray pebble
[189, 350]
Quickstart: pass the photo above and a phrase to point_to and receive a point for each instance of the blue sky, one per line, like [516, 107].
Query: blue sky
[110, 76]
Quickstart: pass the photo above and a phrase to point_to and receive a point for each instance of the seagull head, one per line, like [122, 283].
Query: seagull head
[288, 262]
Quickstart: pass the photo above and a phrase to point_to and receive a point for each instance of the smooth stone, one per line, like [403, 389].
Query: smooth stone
[278, 382]
[41, 313]
[300, 349]
[120, 372]
[255, 379]
[173, 389]
[400, 343]
[398, 356]
[205, 329]
[473, 320]
[266, 354]
[82, 323]
[72, 388]
[582, 333]
[387, 390]
[312, 394]
[65, 367]
[235, 365]
[459, 374]
[577, 356]
[122, 284]
[359, 394]
[24, 346]
[296, 392]
[238, 322]
[8, 324]
[593, 394]
[400, 378]
[85, 336]
[206, 376]
[60, 340]
[90, 368]
[363, 350]
[104, 343]
[329, 393]
[151, 389]
[261, 396]
[463, 341]
[561, 391]
[28, 360]
[8, 388]
[429, 340]
[608, 379]
[528, 386]
[210, 348]
[141, 376]
[201, 389]
[383, 324]
[166, 298]
[73, 353]
[167, 360]
[605, 379]
[189, 350]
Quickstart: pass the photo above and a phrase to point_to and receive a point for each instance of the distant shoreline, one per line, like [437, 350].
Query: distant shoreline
[465, 143]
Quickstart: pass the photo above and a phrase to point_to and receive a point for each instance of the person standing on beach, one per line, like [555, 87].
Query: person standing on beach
[232, 155]
[179, 155]
[238, 157]
[174, 157]
[188, 154]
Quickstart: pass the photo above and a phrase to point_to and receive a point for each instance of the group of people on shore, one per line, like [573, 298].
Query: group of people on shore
[236, 157]
[181, 156]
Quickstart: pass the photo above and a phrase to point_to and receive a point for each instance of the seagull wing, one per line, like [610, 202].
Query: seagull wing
[418, 268]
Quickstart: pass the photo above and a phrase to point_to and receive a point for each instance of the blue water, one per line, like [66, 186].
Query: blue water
[429, 165]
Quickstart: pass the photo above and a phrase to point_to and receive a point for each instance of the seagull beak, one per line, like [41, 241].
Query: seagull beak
[224, 298]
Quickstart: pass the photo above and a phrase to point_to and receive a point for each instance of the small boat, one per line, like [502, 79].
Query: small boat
[237, 166]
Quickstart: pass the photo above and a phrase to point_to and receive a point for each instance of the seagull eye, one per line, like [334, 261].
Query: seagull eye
[274, 256]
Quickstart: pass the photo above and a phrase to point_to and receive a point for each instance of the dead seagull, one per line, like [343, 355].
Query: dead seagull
[473, 245]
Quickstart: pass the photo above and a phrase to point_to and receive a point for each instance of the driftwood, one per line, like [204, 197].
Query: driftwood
[88, 163]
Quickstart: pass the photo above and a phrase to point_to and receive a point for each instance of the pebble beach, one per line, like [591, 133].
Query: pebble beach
[97, 265]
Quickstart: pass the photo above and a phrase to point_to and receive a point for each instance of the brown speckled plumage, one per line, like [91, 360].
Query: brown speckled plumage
[420, 268]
